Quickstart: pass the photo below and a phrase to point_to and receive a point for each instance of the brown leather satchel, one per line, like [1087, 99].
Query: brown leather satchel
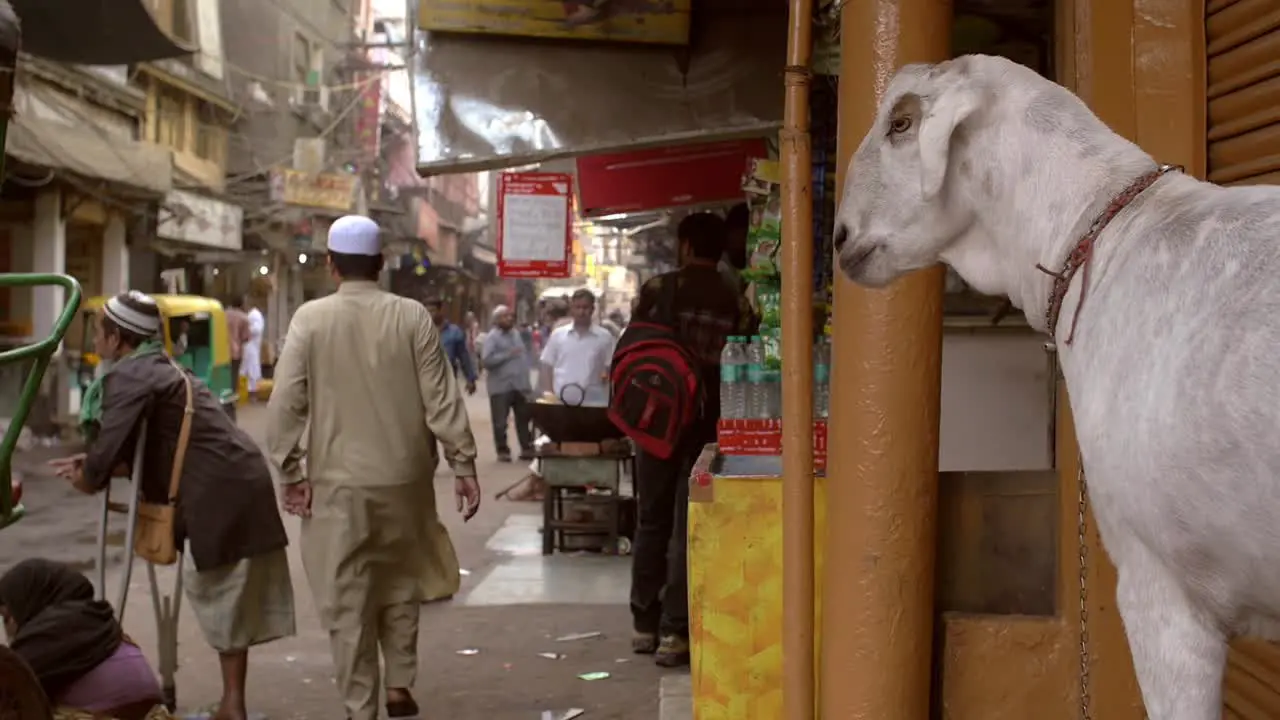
[153, 539]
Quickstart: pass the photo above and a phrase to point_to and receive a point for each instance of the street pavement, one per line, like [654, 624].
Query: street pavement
[497, 651]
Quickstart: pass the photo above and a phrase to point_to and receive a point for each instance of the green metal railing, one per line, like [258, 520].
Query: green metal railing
[42, 353]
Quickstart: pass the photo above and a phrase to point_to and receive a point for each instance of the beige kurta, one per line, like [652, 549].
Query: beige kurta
[441, 574]
[362, 374]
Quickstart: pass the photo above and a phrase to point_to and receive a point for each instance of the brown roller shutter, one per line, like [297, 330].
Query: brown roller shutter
[1251, 690]
[1243, 46]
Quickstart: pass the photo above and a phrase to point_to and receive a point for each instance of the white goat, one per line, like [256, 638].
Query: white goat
[1174, 367]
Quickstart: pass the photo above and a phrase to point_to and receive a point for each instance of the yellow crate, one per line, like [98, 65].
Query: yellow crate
[735, 597]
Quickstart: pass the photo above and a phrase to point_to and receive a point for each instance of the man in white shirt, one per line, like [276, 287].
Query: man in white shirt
[579, 354]
[251, 352]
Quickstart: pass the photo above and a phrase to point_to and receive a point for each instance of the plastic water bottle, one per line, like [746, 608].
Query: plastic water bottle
[773, 394]
[733, 379]
[822, 378]
[757, 383]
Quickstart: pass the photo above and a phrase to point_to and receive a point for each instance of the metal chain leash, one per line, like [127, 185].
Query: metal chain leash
[1082, 507]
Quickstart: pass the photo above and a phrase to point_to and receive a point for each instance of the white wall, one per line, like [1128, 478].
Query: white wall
[49, 255]
[997, 403]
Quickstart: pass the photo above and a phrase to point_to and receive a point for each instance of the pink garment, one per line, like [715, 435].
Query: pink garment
[123, 679]
[237, 332]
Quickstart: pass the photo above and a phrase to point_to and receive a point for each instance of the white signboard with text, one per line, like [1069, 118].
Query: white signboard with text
[201, 220]
[535, 225]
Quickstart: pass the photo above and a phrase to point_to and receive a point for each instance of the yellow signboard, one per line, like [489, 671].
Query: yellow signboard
[660, 22]
[321, 190]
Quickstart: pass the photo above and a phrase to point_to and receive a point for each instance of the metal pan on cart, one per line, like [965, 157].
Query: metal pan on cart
[572, 420]
[583, 475]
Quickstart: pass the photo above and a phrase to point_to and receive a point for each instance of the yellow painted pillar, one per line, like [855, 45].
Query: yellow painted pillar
[797, 388]
[877, 624]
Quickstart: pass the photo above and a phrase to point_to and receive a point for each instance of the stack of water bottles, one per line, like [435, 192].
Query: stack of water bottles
[733, 379]
[749, 389]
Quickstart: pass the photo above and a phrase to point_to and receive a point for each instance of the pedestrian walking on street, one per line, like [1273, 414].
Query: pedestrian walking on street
[340, 399]
[235, 568]
[703, 310]
[454, 340]
[251, 351]
[237, 334]
[507, 360]
[471, 326]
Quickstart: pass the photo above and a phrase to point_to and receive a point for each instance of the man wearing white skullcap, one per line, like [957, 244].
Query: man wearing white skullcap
[236, 570]
[367, 501]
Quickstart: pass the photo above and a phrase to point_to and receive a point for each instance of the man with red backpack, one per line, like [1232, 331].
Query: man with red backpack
[681, 323]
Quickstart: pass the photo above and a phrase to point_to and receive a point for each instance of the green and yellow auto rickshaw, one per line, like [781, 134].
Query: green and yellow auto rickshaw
[195, 334]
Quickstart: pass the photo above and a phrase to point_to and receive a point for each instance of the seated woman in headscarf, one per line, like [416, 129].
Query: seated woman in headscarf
[73, 643]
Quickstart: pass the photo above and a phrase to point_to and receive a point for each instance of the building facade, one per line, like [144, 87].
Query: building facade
[293, 155]
[190, 111]
[83, 182]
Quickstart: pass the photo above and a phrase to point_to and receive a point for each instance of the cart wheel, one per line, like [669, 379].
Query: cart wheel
[21, 697]
[171, 698]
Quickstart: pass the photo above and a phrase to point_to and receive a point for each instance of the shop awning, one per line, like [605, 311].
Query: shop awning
[93, 32]
[488, 103]
[142, 166]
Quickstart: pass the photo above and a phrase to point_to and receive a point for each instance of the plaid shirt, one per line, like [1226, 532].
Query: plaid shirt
[707, 311]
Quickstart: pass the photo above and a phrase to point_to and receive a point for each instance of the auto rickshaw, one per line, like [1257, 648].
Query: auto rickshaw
[195, 334]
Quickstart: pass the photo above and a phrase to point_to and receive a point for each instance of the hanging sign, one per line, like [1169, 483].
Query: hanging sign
[535, 225]
[329, 191]
[369, 121]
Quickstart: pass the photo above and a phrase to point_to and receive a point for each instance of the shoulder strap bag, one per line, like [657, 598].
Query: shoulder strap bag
[153, 538]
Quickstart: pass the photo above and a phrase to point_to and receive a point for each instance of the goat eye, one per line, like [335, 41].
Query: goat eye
[899, 125]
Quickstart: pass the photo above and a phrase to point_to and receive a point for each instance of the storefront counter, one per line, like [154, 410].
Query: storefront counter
[735, 585]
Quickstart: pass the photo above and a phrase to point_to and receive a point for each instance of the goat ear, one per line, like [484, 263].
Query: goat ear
[939, 123]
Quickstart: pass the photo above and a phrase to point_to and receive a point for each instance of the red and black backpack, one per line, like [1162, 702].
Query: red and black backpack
[657, 390]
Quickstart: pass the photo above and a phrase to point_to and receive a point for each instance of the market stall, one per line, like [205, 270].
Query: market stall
[918, 490]
[947, 564]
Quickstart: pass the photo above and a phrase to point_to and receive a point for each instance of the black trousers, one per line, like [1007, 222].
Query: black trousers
[503, 404]
[659, 555]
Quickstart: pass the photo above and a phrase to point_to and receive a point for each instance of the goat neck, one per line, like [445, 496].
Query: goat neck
[1033, 195]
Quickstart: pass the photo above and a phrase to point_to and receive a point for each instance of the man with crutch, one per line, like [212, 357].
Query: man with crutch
[197, 461]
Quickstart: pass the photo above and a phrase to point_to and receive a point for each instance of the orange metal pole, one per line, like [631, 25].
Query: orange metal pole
[797, 378]
[877, 620]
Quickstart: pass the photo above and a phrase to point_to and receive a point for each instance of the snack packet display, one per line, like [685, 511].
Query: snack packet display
[771, 338]
[763, 187]
[769, 305]
[764, 238]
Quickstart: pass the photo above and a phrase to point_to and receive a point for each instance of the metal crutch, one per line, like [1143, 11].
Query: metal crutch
[166, 609]
[104, 523]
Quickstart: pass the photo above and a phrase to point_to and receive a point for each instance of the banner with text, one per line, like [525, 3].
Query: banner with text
[535, 225]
